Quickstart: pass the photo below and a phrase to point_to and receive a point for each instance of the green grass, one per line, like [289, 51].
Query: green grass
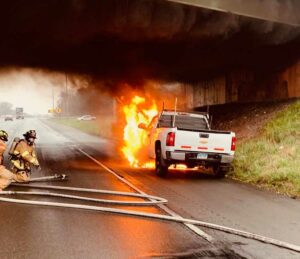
[99, 128]
[272, 159]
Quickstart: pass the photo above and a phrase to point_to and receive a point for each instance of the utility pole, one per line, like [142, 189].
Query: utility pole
[52, 98]
[67, 101]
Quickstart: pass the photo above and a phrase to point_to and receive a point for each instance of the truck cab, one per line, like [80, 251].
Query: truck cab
[19, 113]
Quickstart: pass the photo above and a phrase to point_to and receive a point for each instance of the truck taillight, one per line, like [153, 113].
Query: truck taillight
[233, 141]
[170, 139]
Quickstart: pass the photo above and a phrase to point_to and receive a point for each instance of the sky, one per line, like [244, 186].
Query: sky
[30, 89]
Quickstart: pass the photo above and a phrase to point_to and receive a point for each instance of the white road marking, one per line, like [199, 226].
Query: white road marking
[192, 227]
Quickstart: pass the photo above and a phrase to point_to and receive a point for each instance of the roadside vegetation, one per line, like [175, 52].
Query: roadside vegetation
[272, 158]
[94, 127]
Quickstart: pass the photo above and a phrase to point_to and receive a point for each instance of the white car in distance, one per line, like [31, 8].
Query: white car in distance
[86, 118]
[8, 118]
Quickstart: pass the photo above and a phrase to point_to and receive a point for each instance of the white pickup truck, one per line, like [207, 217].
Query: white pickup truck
[186, 138]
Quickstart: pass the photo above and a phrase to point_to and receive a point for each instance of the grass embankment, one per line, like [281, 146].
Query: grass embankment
[102, 128]
[272, 159]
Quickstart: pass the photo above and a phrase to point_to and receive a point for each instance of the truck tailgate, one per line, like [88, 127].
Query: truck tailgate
[204, 141]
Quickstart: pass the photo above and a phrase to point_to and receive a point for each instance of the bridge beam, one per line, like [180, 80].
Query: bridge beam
[286, 12]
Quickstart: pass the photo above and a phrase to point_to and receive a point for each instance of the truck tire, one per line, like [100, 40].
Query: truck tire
[219, 172]
[161, 167]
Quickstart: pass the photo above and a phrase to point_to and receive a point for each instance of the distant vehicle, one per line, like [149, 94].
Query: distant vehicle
[186, 138]
[8, 118]
[86, 118]
[19, 113]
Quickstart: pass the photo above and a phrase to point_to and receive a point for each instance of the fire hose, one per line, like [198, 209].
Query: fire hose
[153, 200]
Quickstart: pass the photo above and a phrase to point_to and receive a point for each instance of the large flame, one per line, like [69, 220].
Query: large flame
[136, 139]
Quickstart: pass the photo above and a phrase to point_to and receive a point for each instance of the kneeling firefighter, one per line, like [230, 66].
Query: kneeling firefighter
[6, 176]
[23, 156]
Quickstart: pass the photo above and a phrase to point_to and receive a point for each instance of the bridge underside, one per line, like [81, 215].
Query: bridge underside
[191, 42]
[255, 83]
[286, 12]
[245, 86]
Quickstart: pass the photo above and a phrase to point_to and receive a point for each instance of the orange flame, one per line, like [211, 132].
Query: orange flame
[178, 167]
[136, 139]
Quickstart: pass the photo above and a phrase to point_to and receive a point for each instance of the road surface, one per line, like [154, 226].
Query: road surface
[39, 232]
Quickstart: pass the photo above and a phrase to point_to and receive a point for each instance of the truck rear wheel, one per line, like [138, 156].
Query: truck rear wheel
[161, 167]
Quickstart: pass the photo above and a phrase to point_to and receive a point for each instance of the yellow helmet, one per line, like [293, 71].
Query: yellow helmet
[3, 135]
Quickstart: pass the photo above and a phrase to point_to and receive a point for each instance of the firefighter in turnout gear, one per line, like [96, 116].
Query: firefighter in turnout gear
[23, 156]
[6, 176]
[3, 138]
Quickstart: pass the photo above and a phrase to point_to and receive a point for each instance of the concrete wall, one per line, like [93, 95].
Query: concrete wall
[292, 78]
[245, 86]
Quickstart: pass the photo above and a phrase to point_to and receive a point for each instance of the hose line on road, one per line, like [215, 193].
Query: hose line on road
[154, 199]
[129, 212]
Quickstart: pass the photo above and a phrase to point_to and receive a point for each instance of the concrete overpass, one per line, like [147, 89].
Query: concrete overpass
[286, 12]
[244, 86]
[219, 50]
[240, 85]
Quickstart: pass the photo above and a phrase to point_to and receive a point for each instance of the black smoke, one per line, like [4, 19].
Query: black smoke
[132, 40]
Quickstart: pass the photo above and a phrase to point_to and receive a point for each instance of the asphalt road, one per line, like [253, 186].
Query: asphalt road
[39, 232]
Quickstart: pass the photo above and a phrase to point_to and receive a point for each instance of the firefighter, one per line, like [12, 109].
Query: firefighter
[3, 139]
[6, 176]
[24, 157]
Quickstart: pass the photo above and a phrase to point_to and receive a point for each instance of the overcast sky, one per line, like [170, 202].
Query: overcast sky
[30, 89]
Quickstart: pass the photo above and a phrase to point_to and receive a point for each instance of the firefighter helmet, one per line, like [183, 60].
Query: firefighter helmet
[30, 134]
[3, 135]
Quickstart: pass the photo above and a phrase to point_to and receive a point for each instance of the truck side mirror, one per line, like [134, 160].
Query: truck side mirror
[142, 126]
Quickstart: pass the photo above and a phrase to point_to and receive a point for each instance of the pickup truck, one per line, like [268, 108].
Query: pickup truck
[186, 138]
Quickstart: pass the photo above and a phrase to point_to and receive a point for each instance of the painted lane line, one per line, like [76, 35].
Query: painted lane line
[192, 227]
[237, 232]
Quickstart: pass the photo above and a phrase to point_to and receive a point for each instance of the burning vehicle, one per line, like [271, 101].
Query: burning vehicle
[186, 138]
[170, 137]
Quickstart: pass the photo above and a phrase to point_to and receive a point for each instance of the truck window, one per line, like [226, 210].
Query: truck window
[184, 122]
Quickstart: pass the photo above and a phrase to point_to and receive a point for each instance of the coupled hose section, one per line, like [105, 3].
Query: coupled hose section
[154, 200]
